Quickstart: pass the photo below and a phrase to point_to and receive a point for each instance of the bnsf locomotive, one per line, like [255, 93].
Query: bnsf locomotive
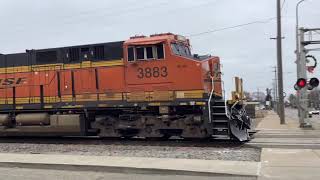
[146, 86]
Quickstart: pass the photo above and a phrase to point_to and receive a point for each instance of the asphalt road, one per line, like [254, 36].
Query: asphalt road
[47, 174]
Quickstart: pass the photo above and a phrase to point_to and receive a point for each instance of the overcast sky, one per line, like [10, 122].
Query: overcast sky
[247, 51]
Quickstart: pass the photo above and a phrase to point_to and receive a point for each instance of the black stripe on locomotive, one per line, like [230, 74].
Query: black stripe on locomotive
[67, 55]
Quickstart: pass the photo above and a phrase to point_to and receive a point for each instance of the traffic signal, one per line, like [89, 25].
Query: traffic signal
[301, 83]
[313, 83]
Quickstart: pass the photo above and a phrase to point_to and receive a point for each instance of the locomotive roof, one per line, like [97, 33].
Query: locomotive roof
[74, 46]
[132, 40]
[79, 53]
[160, 37]
[67, 54]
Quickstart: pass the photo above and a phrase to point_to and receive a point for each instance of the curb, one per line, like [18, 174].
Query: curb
[114, 169]
[142, 165]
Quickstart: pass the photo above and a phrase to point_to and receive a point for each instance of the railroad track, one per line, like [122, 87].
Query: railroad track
[174, 142]
[172, 148]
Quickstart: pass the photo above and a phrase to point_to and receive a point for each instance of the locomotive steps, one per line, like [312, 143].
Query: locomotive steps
[139, 165]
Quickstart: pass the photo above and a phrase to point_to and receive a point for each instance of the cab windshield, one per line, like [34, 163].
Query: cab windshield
[181, 50]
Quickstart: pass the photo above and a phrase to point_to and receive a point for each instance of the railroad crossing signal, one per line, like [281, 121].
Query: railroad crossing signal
[302, 83]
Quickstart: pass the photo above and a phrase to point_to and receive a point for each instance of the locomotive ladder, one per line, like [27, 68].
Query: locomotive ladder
[220, 120]
[226, 124]
[218, 116]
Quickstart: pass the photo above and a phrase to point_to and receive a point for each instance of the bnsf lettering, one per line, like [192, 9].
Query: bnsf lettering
[155, 72]
[12, 81]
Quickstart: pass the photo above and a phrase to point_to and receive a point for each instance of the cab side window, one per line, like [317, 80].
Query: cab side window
[160, 51]
[140, 53]
[130, 54]
[148, 52]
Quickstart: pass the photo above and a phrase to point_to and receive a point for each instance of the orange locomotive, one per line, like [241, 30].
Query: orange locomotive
[145, 86]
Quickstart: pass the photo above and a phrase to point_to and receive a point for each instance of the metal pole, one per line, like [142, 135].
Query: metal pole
[303, 103]
[258, 95]
[297, 29]
[279, 60]
[301, 112]
[301, 118]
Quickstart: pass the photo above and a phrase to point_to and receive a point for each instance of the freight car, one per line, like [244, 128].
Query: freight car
[145, 86]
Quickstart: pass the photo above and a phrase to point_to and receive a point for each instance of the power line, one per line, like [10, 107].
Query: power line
[140, 9]
[233, 27]
[284, 1]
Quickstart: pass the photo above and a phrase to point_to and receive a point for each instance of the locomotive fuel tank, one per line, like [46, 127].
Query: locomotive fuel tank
[31, 119]
[4, 119]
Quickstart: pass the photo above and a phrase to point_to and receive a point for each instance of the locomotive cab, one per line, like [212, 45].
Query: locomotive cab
[164, 62]
[146, 64]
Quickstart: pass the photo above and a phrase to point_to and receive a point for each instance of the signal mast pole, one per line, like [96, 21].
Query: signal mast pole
[279, 62]
[303, 94]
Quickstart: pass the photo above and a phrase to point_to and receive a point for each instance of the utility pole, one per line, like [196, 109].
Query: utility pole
[279, 62]
[258, 96]
[275, 91]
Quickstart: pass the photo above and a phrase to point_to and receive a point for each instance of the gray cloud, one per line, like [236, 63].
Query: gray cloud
[246, 51]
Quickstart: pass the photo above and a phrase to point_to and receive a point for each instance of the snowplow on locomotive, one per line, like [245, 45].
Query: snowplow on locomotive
[145, 86]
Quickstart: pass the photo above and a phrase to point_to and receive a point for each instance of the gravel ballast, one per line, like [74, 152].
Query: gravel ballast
[219, 152]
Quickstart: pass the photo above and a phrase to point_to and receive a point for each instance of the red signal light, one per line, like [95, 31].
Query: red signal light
[301, 83]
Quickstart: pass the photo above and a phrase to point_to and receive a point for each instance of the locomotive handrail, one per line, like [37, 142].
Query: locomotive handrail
[210, 98]
[224, 96]
[225, 101]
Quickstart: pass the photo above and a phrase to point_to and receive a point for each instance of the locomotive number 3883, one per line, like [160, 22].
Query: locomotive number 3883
[154, 72]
